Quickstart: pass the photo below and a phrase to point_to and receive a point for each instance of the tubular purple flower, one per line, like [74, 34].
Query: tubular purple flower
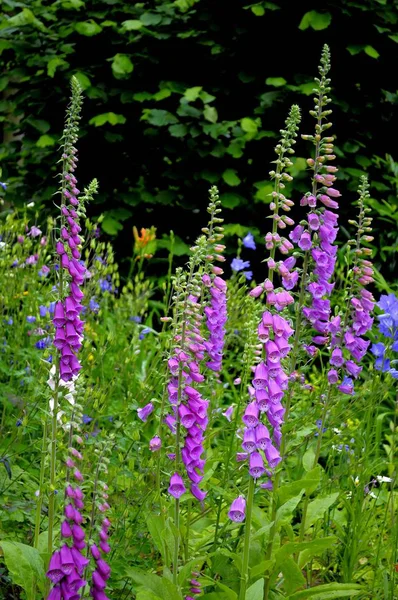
[256, 465]
[144, 412]
[176, 487]
[237, 510]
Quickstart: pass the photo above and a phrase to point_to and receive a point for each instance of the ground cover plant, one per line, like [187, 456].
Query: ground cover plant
[198, 435]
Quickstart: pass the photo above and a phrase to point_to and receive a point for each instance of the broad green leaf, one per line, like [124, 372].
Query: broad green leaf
[39, 124]
[328, 590]
[293, 577]
[307, 88]
[25, 566]
[158, 117]
[185, 572]
[256, 590]
[88, 28]
[372, 52]
[150, 19]
[316, 20]
[110, 225]
[53, 65]
[132, 25]
[146, 595]
[230, 200]
[354, 49]
[285, 512]
[249, 126]
[308, 459]
[46, 140]
[160, 586]
[309, 483]
[318, 507]
[121, 66]
[155, 525]
[210, 114]
[314, 548]
[258, 10]
[193, 93]
[83, 80]
[231, 177]
[276, 81]
[110, 118]
[179, 130]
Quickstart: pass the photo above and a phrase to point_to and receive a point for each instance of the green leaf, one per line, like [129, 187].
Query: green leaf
[132, 25]
[231, 178]
[150, 19]
[284, 514]
[307, 88]
[308, 459]
[309, 483]
[45, 140]
[39, 124]
[54, 63]
[293, 577]
[110, 118]
[210, 114]
[316, 20]
[256, 590]
[88, 28]
[121, 66]
[83, 80]
[25, 566]
[328, 590]
[318, 507]
[110, 225]
[313, 548]
[258, 10]
[155, 525]
[276, 81]
[160, 586]
[158, 117]
[372, 52]
[179, 130]
[250, 127]
[193, 93]
[230, 200]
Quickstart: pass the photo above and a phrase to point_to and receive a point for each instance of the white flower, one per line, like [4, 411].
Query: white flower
[30, 204]
[383, 479]
[356, 480]
[2, 245]
[337, 431]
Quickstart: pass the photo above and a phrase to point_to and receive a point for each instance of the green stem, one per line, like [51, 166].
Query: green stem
[41, 486]
[176, 540]
[246, 547]
[316, 458]
[53, 458]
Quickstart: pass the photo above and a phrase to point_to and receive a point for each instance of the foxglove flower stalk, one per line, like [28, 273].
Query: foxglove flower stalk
[102, 569]
[67, 323]
[347, 343]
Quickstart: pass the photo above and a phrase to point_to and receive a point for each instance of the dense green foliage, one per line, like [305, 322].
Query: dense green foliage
[186, 93]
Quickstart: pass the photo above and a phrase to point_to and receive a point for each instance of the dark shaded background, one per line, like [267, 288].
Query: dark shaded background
[156, 163]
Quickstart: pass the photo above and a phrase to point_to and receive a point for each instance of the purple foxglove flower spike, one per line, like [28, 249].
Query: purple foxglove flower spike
[237, 511]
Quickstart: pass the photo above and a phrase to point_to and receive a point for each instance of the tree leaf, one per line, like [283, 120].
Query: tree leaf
[83, 80]
[230, 200]
[179, 130]
[192, 94]
[54, 63]
[318, 507]
[309, 483]
[121, 66]
[150, 19]
[110, 117]
[110, 225]
[132, 25]
[372, 52]
[88, 28]
[210, 114]
[25, 566]
[276, 81]
[231, 178]
[249, 126]
[45, 140]
[316, 20]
